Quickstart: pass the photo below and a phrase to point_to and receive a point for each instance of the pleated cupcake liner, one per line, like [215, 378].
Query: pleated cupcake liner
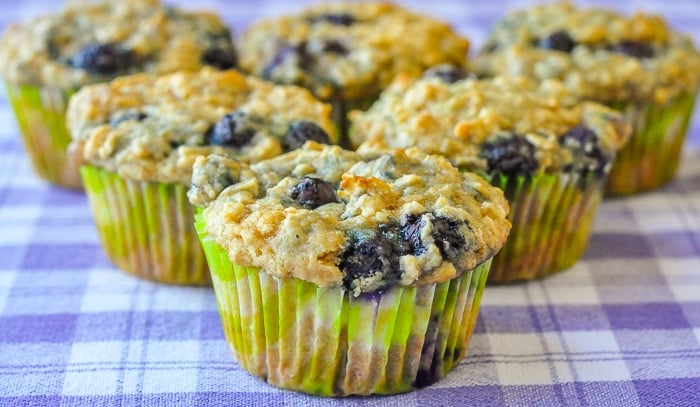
[651, 156]
[552, 215]
[296, 335]
[146, 227]
[40, 113]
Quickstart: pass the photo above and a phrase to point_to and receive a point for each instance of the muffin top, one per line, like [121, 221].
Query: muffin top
[600, 54]
[348, 50]
[334, 217]
[95, 41]
[505, 125]
[151, 128]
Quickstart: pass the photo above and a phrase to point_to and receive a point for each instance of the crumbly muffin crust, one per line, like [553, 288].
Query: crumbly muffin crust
[150, 128]
[509, 125]
[335, 217]
[348, 50]
[600, 54]
[94, 41]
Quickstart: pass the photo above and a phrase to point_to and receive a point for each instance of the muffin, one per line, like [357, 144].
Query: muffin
[137, 137]
[340, 274]
[548, 152]
[47, 59]
[635, 64]
[347, 53]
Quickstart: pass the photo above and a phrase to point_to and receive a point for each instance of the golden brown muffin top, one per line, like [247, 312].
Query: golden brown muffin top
[94, 41]
[150, 128]
[334, 217]
[600, 54]
[348, 50]
[501, 125]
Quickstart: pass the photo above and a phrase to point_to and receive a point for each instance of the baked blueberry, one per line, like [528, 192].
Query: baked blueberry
[335, 47]
[343, 19]
[302, 131]
[558, 40]
[448, 73]
[584, 143]
[393, 233]
[512, 155]
[366, 257]
[411, 232]
[580, 137]
[220, 58]
[447, 237]
[312, 192]
[634, 49]
[298, 53]
[445, 233]
[117, 119]
[103, 59]
[235, 129]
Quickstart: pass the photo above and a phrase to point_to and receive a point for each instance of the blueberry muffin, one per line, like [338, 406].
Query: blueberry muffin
[346, 53]
[46, 59]
[635, 64]
[548, 152]
[340, 274]
[137, 137]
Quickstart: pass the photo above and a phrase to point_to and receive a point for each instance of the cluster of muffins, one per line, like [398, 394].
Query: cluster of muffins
[344, 177]
[48, 59]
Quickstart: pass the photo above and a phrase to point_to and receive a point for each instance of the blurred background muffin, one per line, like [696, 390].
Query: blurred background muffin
[347, 53]
[634, 63]
[46, 59]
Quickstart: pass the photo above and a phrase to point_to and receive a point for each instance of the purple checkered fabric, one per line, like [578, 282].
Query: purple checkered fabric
[622, 327]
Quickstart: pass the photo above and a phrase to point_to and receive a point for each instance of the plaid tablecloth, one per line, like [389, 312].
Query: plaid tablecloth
[622, 327]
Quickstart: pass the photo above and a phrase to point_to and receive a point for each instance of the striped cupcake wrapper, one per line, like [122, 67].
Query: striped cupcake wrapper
[146, 227]
[40, 113]
[552, 217]
[650, 158]
[320, 340]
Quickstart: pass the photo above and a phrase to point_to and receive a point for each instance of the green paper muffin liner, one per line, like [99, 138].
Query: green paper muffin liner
[296, 335]
[650, 158]
[146, 227]
[40, 113]
[552, 215]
